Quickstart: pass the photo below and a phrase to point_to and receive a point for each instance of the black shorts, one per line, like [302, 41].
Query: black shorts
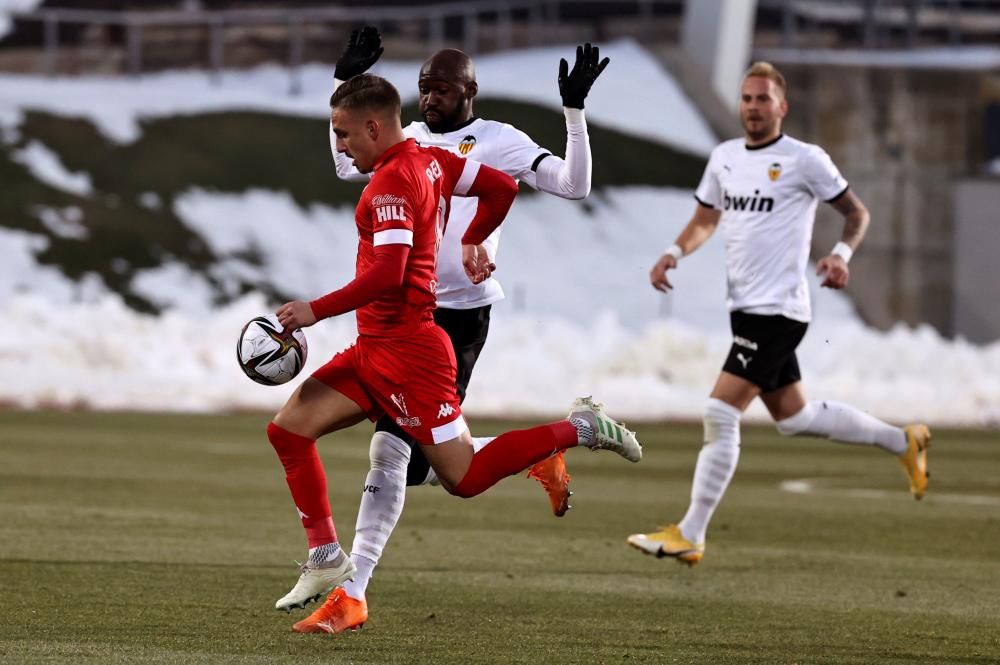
[467, 329]
[763, 349]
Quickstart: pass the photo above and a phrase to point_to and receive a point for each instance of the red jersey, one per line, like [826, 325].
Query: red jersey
[406, 202]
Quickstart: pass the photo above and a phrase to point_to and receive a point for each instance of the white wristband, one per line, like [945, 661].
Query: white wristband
[675, 251]
[843, 250]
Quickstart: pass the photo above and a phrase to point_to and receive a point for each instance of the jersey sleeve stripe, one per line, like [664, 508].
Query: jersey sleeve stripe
[468, 177]
[702, 203]
[841, 193]
[393, 237]
[538, 160]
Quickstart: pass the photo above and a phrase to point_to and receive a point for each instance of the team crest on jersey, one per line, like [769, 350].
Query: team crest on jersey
[774, 171]
[467, 144]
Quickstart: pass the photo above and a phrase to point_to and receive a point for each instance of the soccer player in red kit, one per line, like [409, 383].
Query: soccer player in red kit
[402, 364]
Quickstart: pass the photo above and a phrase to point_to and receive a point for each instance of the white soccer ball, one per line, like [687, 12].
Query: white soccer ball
[268, 353]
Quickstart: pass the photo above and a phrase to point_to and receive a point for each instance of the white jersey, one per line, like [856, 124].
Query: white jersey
[768, 196]
[489, 142]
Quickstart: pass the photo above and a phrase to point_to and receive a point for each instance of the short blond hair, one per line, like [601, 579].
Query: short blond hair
[767, 70]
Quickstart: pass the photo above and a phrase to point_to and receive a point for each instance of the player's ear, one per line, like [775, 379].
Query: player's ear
[784, 107]
[374, 128]
[471, 89]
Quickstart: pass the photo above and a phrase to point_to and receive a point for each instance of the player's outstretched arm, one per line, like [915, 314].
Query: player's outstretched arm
[382, 276]
[833, 267]
[701, 227]
[363, 50]
[571, 178]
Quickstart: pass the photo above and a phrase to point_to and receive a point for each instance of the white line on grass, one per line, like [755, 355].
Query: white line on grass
[809, 486]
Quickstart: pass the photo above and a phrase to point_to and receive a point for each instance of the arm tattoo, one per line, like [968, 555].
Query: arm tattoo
[856, 218]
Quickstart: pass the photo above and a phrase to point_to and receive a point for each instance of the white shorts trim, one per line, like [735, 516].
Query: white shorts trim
[393, 237]
[468, 177]
[449, 431]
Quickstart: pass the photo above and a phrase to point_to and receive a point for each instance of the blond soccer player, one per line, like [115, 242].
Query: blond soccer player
[764, 188]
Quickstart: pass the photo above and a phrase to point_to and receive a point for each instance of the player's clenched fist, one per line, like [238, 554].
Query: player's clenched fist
[478, 265]
[835, 270]
[658, 275]
[296, 314]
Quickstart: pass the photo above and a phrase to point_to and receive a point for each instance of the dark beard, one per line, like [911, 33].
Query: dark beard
[445, 124]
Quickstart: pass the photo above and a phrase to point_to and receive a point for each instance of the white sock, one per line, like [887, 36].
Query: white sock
[366, 568]
[843, 423]
[381, 505]
[715, 467]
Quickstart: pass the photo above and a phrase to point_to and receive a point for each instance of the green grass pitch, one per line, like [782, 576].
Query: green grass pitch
[137, 538]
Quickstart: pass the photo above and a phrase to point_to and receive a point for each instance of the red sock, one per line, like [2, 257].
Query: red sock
[307, 481]
[513, 452]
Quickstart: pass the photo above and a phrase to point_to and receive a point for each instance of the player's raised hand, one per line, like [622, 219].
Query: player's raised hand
[363, 49]
[294, 315]
[658, 275]
[575, 84]
[834, 270]
[477, 263]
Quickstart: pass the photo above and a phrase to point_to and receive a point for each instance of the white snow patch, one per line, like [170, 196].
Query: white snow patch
[118, 105]
[8, 7]
[46, 166]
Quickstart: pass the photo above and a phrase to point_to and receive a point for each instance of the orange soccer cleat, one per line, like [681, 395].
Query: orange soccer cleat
[551, 473]
[340, 612]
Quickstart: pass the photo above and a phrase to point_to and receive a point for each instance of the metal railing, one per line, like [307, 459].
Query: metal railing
[476, 16]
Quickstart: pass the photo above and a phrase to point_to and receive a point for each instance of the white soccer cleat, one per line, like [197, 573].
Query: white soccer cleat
[609, 434]
[316, 580]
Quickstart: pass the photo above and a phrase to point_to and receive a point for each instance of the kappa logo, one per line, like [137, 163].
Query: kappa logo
[400, 403]
[467, 144]
[387, 213]
[774, 171]
[445, 411]
[743, 359]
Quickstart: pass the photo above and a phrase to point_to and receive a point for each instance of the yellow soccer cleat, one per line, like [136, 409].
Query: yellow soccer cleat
[551, 473]
[668, 541]
[914, 460]
[340, 612]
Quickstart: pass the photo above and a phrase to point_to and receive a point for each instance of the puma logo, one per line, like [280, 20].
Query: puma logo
[743, 359]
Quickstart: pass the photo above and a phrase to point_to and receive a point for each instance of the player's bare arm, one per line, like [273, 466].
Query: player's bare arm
[701, 227]
[856, 219]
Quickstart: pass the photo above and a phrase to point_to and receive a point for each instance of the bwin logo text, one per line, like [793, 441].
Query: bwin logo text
[755, 203]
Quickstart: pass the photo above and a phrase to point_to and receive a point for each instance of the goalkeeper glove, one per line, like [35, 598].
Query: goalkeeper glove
[363, 49]
[574, 85]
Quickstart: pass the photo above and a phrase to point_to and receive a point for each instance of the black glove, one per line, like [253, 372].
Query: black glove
[574, 85]
[363, 49]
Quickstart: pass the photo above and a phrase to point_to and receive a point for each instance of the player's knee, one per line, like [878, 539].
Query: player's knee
[722, 422]
[797, 424]
[388, 453]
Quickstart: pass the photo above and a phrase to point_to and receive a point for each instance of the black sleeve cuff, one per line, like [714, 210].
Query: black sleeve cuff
[702, 203]
[842, 192]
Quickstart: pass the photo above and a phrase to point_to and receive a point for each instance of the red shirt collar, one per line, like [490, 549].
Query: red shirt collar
[409, 145]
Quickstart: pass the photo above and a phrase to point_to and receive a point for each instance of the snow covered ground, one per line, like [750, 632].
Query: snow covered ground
[580, 317]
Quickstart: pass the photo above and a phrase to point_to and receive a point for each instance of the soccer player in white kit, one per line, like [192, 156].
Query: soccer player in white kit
[447, 86]
[764, 189]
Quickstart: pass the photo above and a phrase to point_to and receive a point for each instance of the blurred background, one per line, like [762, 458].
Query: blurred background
[165, 175]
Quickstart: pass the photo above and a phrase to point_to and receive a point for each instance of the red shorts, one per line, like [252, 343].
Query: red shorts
[411, 379]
